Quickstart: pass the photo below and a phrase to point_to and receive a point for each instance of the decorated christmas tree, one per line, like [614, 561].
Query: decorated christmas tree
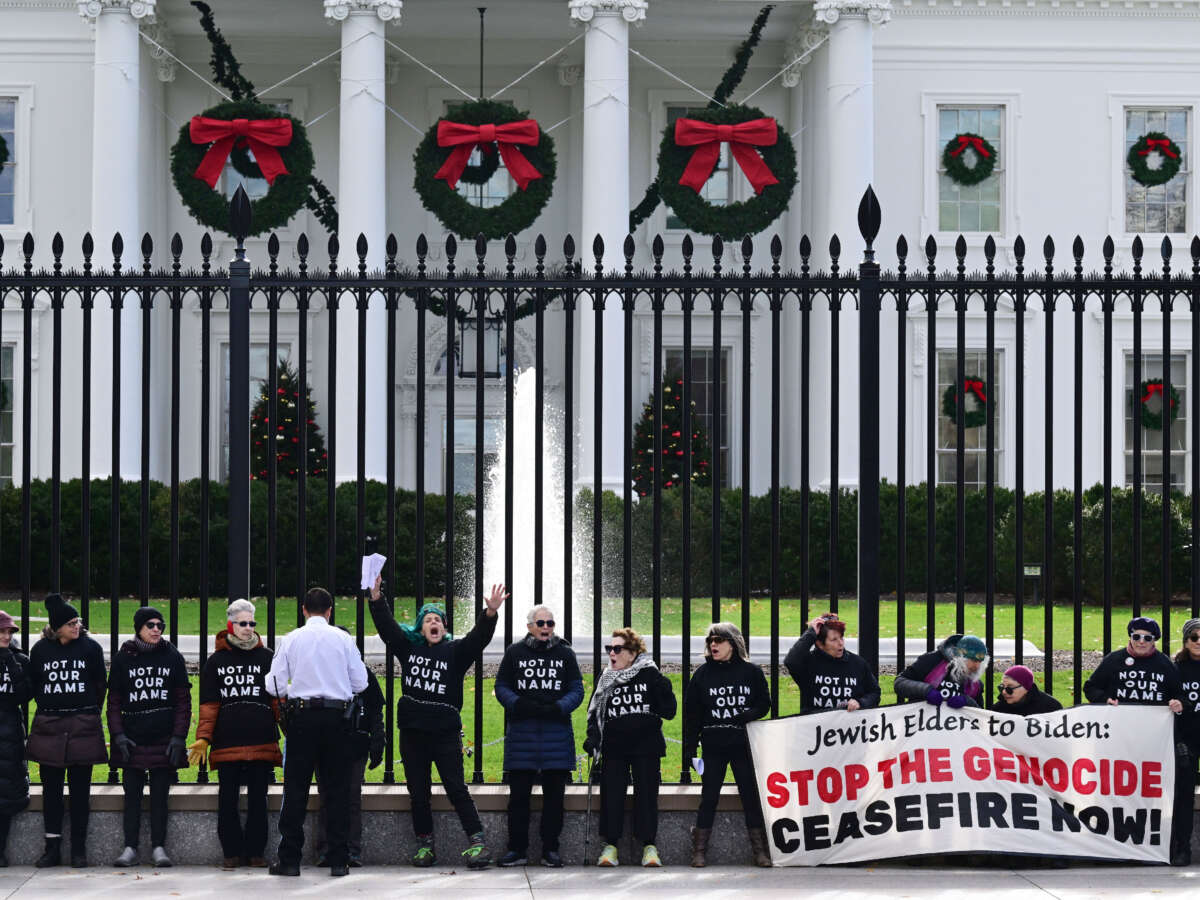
[672, 443]
[284, 434]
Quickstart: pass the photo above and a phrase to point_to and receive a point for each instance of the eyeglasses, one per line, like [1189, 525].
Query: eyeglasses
[245, 624]
[716, 639]
[614, 648]
[1194, 636]
[544, 623]
[156, 625]
[1138, 636]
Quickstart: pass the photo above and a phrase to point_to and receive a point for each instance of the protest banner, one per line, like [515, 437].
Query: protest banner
[1093, 782]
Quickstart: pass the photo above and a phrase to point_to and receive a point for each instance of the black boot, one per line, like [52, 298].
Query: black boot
[52, 855]
[5, 822]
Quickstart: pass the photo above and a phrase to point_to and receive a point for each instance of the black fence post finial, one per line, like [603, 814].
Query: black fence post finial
[869, 219]
[239, 220]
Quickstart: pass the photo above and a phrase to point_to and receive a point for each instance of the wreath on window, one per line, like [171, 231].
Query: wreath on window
[440, 162]
[1151, 419]
[689, 153]
[3, 152]
[973, 417]
[282, 151]
[1154, 144]
[954, 158]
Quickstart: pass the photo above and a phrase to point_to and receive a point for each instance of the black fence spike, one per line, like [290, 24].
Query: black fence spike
[718, 249]
[901, 248]
[628, 250]
[776, 248]
[302, 246]
[569, 248]
[206, 248]
[1137, 248]
[451, 248]
[147, 247]
[960, 250]
[360, 247]
[422, 246]
[989, 250]
[656, 249]
[118, 247]
[835, 248]
[1109, 250]
[176, 247]
[1077, 251]
[870, 216]
[88, 246]
[598, 252]
[931, 249]
[688, 248]
[747, 250]
[480, 247]
[805, 247]
[273, 247]
[1019, 249]
[332, 247]
[510, 247]
[390, 248]
[1048, 249]
[1195, 250]
[239, 214]
[56, 247]
[1165, 249]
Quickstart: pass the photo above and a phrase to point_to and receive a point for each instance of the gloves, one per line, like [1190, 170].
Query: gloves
[177, 756]
[589, 747]
[375, 760]
[122, 747]
[198, 752]
[958, 701]
[934, 696]
[527, 708]
[549, 710]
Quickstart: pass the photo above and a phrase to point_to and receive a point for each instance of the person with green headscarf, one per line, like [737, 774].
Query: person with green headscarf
[433, 664]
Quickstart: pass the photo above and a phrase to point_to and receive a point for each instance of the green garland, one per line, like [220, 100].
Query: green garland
[1139, 153]
[322, 205]
[955, 164]
[3, 152]
[1154, 420]
[745, 217]
[287, 195]
[978, 416]
[454, 210]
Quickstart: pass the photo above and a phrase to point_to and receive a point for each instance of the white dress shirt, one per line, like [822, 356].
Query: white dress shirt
[317, 660]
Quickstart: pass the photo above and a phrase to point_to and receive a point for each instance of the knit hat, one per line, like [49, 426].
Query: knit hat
[972, 648]
[413, 632]
[1022, 675]
[7, 623]
[61, 612]
[1188, 627]
[1142, 623]
[144, 615]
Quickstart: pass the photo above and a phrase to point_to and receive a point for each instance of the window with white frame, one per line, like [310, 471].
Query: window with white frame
[717, 189]
[1161, 208]
[1148, 402]
[464, 450]
[7, 390]
[231, 178]
[974, 207]
[704, 384]
[974, 438]
[496, 189]
[8, 175]
[259, 374]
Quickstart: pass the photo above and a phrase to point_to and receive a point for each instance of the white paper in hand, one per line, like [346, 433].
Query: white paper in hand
[698, 765]
[371, 567]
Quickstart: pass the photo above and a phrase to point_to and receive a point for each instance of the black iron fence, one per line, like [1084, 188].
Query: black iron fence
[569, 290]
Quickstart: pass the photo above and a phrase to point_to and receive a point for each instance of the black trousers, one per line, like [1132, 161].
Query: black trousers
[520, 786]
[358, 768]
[1183, 816]
[134, 781]
[5, 825]
[80, 780]
[715, 763]
[615, 775]
[238, 842]
[421, 751]
[316, 741]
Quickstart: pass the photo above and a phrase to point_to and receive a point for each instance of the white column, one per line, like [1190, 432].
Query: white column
[116, 177]
[604, 211]
[362, 209]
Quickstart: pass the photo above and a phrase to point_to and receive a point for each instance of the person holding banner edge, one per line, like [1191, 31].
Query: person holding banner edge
[949, 674]
[828, 675]
[1187, 747]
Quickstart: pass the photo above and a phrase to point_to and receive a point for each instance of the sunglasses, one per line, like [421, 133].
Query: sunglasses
[1006, 689]
[1147, 638]
[614, 648]
[544, 623]
[249, 624]
[1194, 636]
[716, 639]
[155, 625]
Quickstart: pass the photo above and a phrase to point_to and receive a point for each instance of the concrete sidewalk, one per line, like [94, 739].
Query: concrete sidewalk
[1126, 882]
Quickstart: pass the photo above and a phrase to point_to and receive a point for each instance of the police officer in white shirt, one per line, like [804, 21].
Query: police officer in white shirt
[317, 671]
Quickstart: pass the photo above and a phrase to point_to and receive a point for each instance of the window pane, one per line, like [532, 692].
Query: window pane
[8, 115]
[958, 206]
[974, 438]
[1146, 208]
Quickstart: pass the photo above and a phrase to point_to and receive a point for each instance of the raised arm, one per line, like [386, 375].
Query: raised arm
[385, 623]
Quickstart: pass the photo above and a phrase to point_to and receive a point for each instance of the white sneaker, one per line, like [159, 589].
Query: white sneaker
[128, 857]
[161, 860]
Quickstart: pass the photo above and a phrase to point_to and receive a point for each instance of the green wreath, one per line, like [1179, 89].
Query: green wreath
[3, 152]
[455, 211]
[1154, 420]
[953, 158]
[1168, 151]
[736, 219]
[976, 417]
[286, 196]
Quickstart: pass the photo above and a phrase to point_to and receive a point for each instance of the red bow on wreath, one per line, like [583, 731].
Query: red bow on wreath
[742, 139]
[465, 138]
[1156, 388]
[263, 136]
[965, 141]
[976, 388]
[1163, 145]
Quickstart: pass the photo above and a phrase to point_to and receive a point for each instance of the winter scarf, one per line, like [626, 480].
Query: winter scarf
[531, 642]
[612, 678]
[243, 643]
[413, 632]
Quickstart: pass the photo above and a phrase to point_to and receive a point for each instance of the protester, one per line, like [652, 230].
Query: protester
[538, 684]
[364, 747]
[15, 690]
[238, 733]
[830, 676]
[951, 673]
[1020, 696]
[66, 668]
[149, 713]
[725, 693]
[432, 667]
[1187, 746]
[624, 728]
[318, 669]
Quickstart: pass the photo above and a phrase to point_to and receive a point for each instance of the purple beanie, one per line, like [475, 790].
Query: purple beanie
[1021, 675]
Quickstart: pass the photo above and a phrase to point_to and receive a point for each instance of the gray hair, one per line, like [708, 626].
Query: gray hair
[532, 614]
[239, 606]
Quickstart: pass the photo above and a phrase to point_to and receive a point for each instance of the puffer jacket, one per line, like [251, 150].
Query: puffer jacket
[69, 686]
[546, 672]
[15, 689]
[149, 701]
[237, 715]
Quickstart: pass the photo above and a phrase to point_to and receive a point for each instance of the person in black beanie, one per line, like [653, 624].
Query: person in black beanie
[830, 676]
[1187, 745]
[149, 711]
[725, 693]
[538, 684]
[66, 668]
[15, 690]
[1019, 696]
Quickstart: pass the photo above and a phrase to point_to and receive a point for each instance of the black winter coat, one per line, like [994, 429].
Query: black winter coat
[367, 734]
[721, 698]
[1187, 726]
[1033, 703]
[15, 689]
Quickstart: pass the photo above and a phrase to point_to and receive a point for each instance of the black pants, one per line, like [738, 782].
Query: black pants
[316, 742]
[421, 751]
[614, 779]
[358, 768]
[80, 780]
[1183, 816]
[715, 763]
[134, 781]
[5, 825]
[520, 786]
[238, 842]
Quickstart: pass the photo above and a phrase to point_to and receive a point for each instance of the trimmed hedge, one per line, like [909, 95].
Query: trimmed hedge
[348, 567]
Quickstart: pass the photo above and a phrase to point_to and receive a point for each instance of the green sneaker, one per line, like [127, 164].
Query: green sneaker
[476, 856]
[650, 857]
[424, 857]
[608, 857]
